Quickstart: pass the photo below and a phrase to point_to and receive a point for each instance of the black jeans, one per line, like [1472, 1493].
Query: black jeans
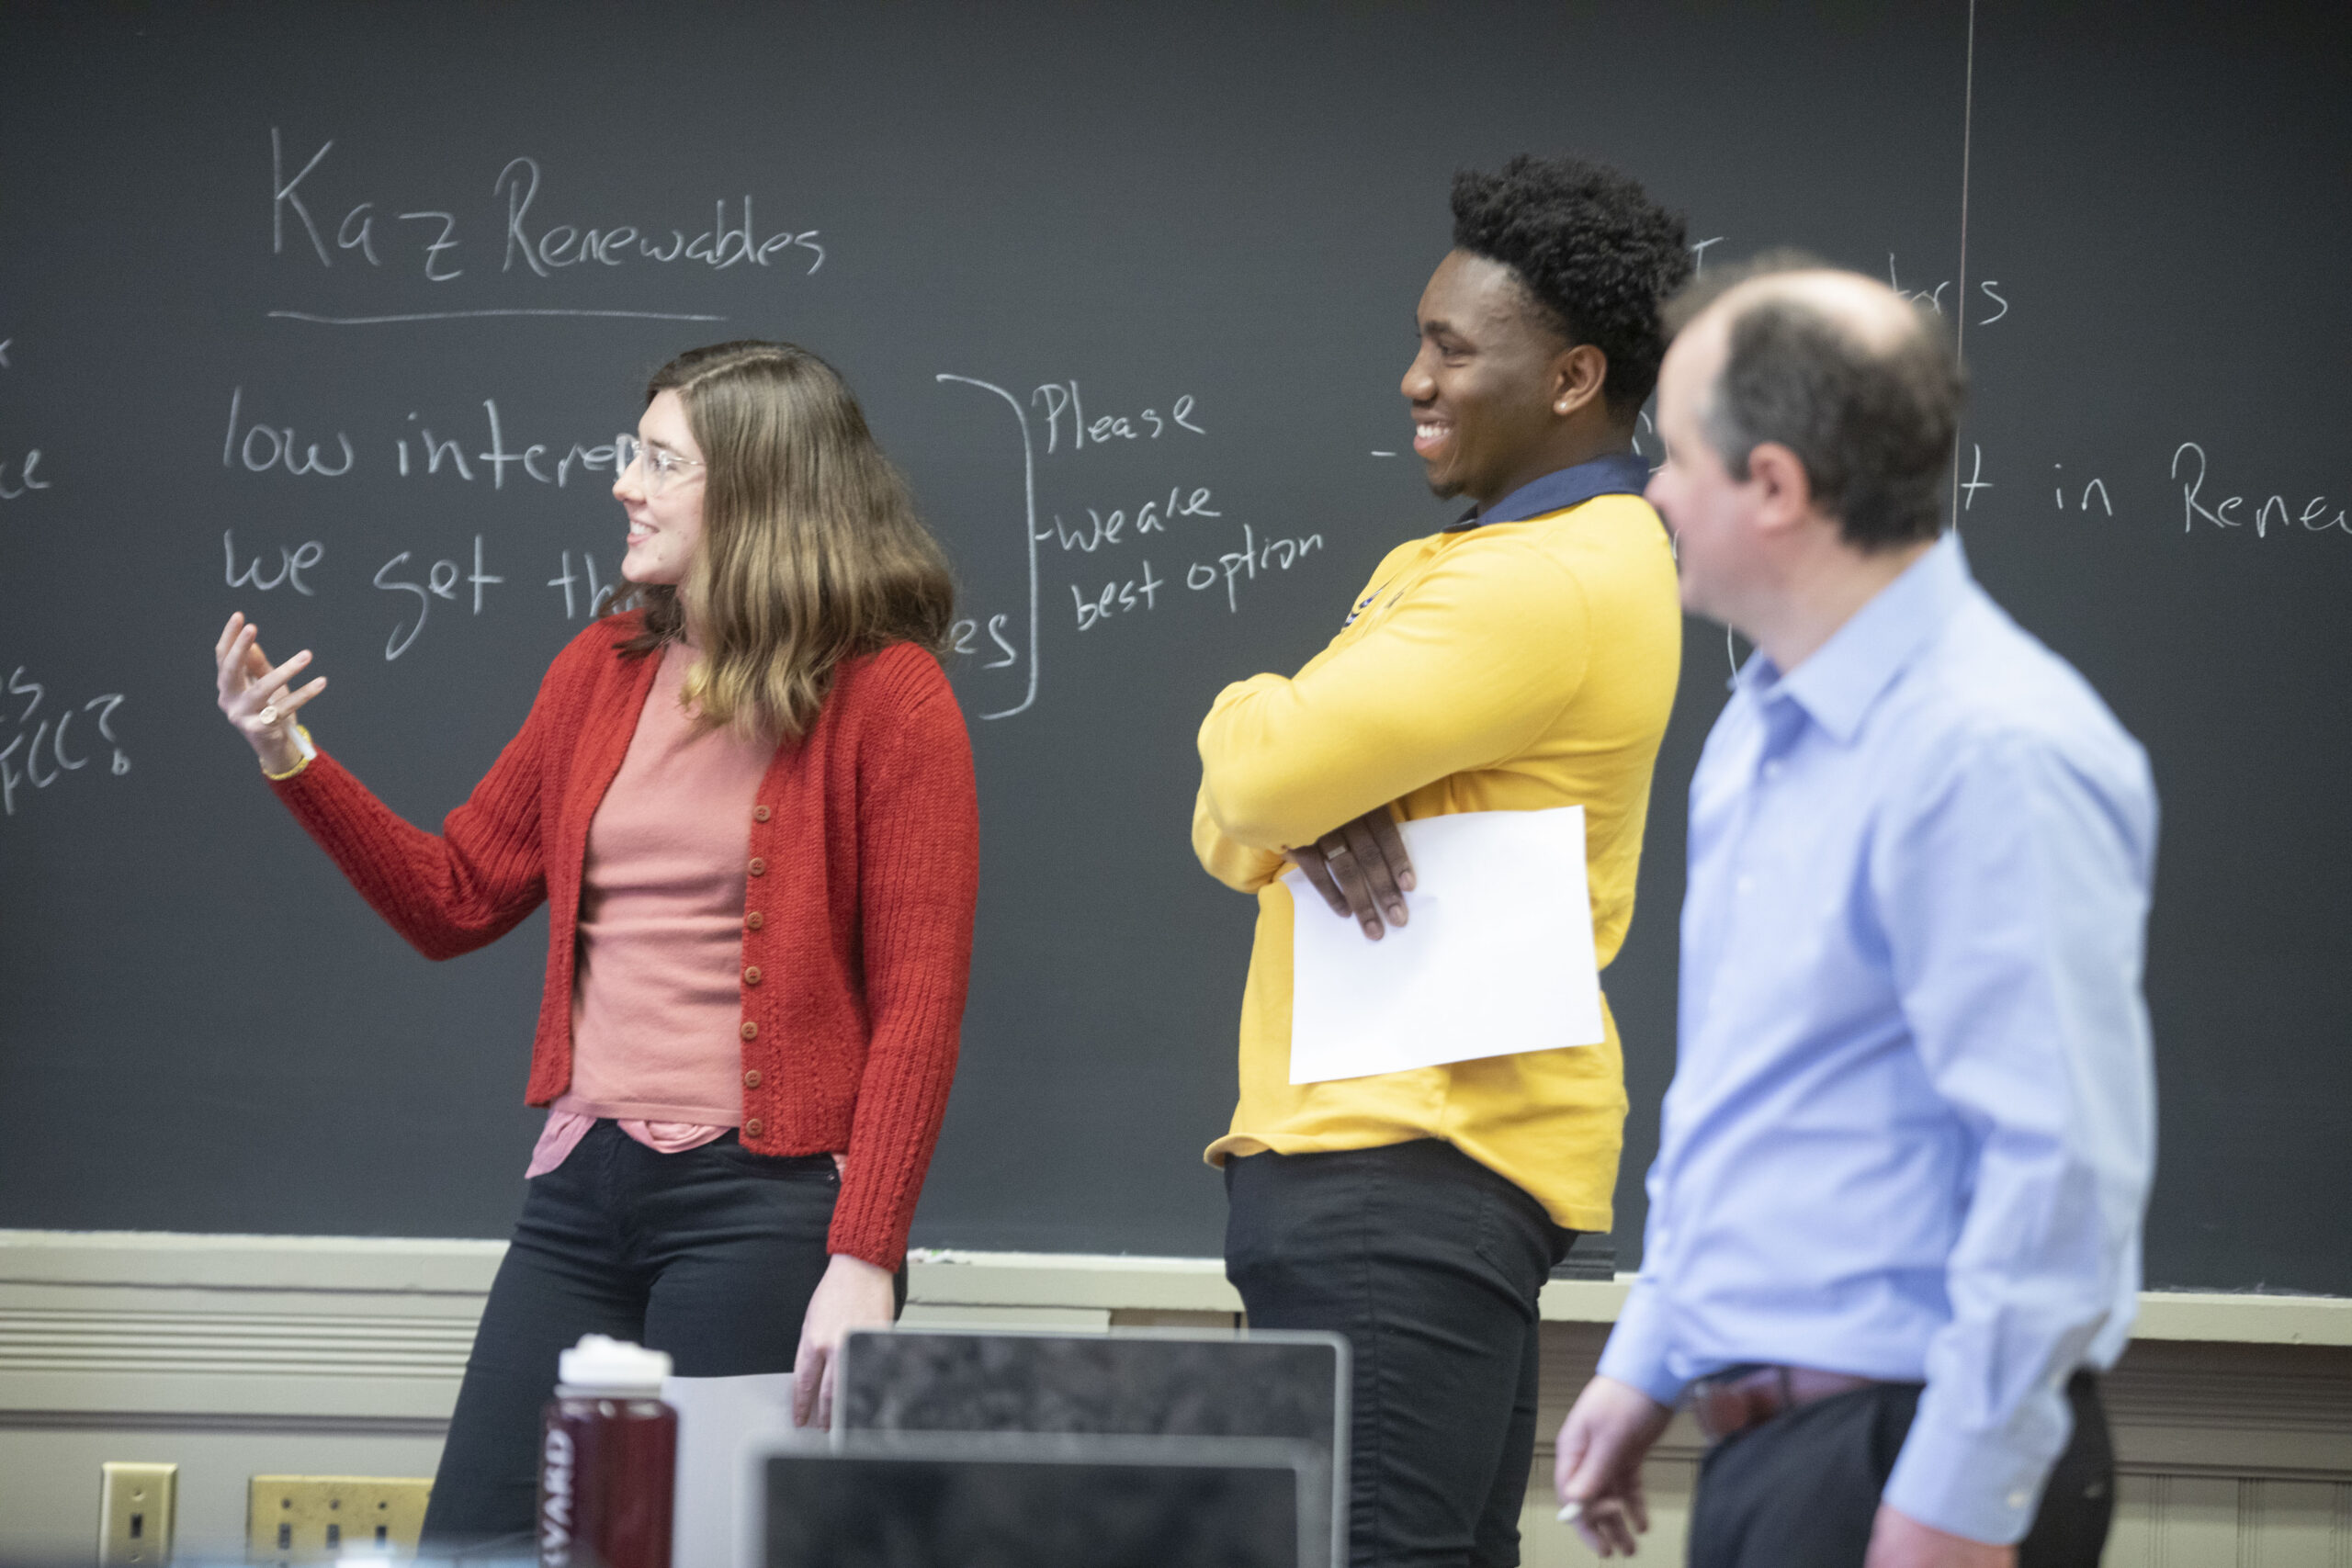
[710, 1255]
[1430, 1263]
[1800, 1490]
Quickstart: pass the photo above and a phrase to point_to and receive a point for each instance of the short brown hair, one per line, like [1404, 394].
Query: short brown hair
[811, 550]
[1873, 425]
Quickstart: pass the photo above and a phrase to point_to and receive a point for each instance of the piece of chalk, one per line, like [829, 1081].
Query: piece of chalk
[1572, 1513]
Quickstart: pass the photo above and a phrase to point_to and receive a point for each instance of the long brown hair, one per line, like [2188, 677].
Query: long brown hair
[811, 550]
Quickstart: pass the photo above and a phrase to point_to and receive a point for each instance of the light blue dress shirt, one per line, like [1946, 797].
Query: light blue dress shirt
[1912, 1118]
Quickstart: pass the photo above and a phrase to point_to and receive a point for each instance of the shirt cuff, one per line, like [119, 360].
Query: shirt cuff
[1984, 1486]
[1636, 1354]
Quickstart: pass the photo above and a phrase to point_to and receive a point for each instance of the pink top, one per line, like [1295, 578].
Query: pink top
[658, 998]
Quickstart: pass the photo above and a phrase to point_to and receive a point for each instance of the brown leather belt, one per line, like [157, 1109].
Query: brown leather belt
[1732, 1402]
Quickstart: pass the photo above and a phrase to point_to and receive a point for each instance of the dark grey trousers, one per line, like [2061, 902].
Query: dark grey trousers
[711, 1255]
[1800, 1490]
[1430, 1263]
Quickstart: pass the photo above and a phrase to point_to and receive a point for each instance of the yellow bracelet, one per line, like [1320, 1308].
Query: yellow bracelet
[310, 751]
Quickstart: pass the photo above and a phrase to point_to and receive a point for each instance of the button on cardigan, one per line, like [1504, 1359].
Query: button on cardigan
[869, 825]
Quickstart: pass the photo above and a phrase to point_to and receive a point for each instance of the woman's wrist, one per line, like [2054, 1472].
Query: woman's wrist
[284, 752]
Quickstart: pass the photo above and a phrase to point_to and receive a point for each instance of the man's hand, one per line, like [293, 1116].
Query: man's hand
[1898, 1540]
[1360, 869]
[1599, 1462]
[853, 1294]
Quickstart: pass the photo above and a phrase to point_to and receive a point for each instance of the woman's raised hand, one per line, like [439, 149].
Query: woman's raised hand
[254, 696]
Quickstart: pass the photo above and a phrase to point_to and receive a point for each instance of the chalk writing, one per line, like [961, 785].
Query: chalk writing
[1070, 425]
[1931, 298]
[441, 581]
[724, 245]
[257, 447]
[363, 234]
[604, 457]
[2095, 490]
[1934, 297]
[47, 746]
[20, 477]
[599, 593]
[1118, 597]
[1975, 479]
[1063, 399]
[963, 638]
[1150, 518]
[1028, 538]
[432, 454]
[27, 481]
[264, 448]
[2189, 471]
[1236, 566]
[470, 315]
[291, 565]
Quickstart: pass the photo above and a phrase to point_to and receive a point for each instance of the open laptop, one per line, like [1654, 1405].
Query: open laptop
[1131, 1383]
[1030, 1500]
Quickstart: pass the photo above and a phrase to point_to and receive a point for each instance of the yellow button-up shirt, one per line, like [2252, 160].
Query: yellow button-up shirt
[1515, 666]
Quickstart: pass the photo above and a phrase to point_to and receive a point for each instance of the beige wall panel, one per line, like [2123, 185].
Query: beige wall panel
[48, 1478]
[2289, 1524]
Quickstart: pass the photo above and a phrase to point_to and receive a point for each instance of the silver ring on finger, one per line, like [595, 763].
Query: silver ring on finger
[269, 715]
[1335, 852]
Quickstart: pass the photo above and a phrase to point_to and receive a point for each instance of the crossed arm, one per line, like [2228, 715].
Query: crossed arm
[1467, 668]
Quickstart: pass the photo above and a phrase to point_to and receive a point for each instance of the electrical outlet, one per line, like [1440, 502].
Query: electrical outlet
[306, 1519]
[135, 1503]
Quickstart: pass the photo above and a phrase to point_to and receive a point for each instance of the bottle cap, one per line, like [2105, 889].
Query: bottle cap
[601, 1365]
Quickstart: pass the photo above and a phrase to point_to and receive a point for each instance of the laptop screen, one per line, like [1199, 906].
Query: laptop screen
[1021, 1502]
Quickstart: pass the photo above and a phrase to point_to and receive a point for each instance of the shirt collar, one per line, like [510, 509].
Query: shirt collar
[1837, 686]
[1620, 473]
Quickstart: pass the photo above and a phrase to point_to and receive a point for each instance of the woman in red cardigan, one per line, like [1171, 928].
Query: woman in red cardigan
[749, 806]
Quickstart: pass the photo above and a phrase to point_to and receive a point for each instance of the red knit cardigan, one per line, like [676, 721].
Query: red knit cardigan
[864, 866]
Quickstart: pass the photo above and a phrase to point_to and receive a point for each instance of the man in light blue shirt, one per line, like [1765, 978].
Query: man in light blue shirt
[1895, 1216]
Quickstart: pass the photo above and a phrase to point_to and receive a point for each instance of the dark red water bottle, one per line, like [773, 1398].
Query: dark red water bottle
[609, 1461]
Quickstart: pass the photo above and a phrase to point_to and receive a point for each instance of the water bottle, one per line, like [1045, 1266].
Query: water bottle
[609, 1460]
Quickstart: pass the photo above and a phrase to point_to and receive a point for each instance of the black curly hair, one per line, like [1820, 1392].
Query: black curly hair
[1594, 252]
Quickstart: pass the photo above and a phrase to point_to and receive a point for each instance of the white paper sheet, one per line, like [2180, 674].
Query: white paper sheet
[1496, 956]
[717, 1417]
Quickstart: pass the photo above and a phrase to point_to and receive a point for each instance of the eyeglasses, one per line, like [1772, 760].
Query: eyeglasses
[660, 466]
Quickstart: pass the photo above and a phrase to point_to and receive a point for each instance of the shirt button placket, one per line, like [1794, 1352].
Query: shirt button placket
[752, 920]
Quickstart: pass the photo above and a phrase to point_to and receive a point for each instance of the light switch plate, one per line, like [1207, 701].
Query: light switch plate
[135, 1507]
[309, 1518]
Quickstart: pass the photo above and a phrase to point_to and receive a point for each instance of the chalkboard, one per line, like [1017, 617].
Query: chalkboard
[331, 314]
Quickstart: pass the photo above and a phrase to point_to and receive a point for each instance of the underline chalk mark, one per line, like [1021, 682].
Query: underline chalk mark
[458, 315]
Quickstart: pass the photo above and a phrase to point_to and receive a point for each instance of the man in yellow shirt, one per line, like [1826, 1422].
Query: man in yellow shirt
[1522, 659]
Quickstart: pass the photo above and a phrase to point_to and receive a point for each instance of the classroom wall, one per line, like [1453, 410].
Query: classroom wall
[236, 1355]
